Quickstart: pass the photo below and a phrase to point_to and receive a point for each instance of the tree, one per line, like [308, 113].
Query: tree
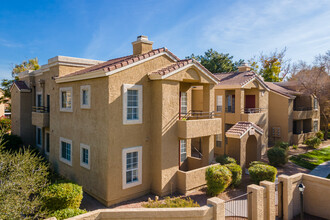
[272, 67]
[315, 80]
[31, 64]
[217, 62]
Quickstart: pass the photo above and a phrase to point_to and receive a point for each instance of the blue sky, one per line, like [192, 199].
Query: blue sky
[105, 29]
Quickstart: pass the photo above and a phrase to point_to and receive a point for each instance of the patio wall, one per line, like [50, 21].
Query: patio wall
[188, 180]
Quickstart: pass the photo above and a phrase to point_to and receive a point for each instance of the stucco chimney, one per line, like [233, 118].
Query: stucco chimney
[141, 45]
[245, 67]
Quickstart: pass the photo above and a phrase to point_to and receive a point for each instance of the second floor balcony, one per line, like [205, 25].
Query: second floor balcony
[40, 116]
[300, 113]
[198, 124]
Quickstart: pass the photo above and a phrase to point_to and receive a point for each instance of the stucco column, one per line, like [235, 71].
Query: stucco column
[287, 197]
[207, 150]
[269, 210]
[208, 98]
[255, 202]
[218, 207]
[239, 100]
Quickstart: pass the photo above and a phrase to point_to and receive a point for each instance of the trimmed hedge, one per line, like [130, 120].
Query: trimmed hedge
[313, 142]
[175, 202]
[236, 171]
[224, 159]
[282, 144]
[260, 172]
[62, 196]
[67, 213]
[277, 156]
[257, 162]
[218, 178]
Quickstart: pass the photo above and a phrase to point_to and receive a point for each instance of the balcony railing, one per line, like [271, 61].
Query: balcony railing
[194, 114]
[40, 109]
[252, 110]
[302, 108]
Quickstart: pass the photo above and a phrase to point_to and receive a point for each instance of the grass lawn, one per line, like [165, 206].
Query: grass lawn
[311, 159]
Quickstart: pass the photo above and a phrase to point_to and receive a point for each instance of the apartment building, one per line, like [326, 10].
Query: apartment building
[241, 101]
[293, 116]
[116, 127]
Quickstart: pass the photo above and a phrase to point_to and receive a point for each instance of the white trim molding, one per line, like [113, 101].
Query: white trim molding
[66, 89]
[88, 89]
[64, 160]
[140, 103]
[125, 151]
[87, 147]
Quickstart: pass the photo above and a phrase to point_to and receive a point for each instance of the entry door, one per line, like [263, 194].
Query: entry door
[250, 101]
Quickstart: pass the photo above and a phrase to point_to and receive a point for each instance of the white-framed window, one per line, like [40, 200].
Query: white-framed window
[47, 143]
[276, 131]
[315, 104]
[38, 99]
[39, 137]
[218, 140]
[183, 150]
[66, 151]
[66, 99]
[219, 103]
[85, 156]
[315, 125]
[85, 96]
[132, 166]
[184, 103]
[132, 104]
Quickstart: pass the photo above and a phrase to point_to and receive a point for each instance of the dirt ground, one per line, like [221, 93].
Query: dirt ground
[199, 195]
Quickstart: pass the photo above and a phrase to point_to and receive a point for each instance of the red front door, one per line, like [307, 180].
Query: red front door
[250, 101]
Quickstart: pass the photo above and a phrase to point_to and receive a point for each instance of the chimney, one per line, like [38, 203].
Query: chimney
[141, 45]
[244, 68]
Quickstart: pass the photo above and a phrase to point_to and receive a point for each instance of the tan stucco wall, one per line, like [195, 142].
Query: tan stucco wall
[199, 127]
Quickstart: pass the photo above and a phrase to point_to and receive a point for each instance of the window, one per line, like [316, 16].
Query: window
[184, 108]
[315, 104]
[47, 143]
[276, 131]
[315, 125]
[38, 137]
[85, 97]
[183, 150]
[48, 103]
[66, 151]
[85, 156]
[231, 103]
[132, 166]
[219, 103]
[218, 140]
[39, 99]
[132, 104]
[66, 99]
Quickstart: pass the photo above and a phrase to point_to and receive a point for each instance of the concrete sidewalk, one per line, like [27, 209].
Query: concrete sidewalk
[322, 170]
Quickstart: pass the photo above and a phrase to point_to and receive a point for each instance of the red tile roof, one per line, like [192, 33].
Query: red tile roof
[279, 89]
[235, 78]
[241, 127]
[172, 67]
[120, 62]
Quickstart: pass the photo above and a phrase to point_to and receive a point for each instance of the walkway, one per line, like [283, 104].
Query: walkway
[322, 170]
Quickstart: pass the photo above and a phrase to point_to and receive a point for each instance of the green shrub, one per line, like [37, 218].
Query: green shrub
[236, 172]
[224, 159]
[257, 162]
[12, 142]
[277, 156]
[282, 144]
[5, 124]
[175, 202]
[62, 196]
[295, 147]
[320, 135]
[260, 172]
[313, 142]
[218, 178]
[67, 213]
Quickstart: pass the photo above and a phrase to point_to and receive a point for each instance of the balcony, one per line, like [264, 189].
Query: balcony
[255, 115]
[198, 124]
[40, 116]
[300, 113]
